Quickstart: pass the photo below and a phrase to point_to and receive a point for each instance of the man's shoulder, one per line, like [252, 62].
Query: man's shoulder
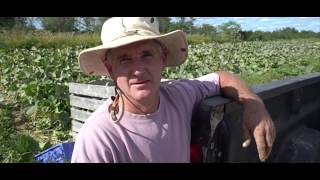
[209, 77]
[201, 87]
[204, 78]
[176, 89]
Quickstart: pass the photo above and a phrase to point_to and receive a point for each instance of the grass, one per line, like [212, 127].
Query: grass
[305, 66]
[199, 38]
[45, 39]
[19, 140]
[22, 39]
[14, 146]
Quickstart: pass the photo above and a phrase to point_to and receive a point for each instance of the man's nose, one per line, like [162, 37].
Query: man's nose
[139, 71]
[139, 68]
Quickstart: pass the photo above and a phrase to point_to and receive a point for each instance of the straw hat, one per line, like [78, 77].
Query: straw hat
[121, 31]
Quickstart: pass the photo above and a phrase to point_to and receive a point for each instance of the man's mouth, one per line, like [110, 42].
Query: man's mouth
[139, 82]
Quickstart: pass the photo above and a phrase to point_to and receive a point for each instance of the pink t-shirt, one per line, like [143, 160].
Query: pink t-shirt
[163, 136]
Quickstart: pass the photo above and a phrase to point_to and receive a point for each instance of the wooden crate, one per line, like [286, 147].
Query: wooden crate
[85, 99]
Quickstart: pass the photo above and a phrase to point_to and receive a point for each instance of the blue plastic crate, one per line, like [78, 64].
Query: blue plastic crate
[60, 153]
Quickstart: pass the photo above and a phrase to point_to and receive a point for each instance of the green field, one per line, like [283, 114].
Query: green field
[257, 62]
[34, 83]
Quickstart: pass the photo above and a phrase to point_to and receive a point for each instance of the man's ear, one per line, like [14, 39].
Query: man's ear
[164, 57]
[108, 65]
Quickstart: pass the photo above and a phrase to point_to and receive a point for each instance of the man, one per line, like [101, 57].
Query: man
[146, 121]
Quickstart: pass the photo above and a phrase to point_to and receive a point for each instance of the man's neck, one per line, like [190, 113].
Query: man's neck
[141, 107]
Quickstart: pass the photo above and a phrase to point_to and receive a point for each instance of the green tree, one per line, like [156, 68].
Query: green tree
[187, 19]
[207, 29]
[99, 22]
[85, 24]
[164, 23]
[7, 22]
[289, 32]
[14, 22]
[231, 30]
[257, 36]
[31, 21]
[246, 35]
[59, 24]
[184, 23]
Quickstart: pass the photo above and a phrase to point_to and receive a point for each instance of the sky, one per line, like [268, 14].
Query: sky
[264, 23]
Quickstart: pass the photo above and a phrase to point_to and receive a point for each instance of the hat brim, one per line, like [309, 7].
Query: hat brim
[91, 59]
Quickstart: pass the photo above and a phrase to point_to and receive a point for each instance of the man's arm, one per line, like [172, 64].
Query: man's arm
[256, 118]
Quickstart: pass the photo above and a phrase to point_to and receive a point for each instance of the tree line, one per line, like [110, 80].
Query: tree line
[229, 31]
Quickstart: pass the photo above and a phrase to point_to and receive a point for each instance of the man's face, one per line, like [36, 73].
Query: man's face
[137, 69]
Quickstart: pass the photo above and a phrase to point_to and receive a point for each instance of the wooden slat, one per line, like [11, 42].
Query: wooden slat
[74, 135]
[85, 102]
[99, 91]
[80, 115]
[76, 125]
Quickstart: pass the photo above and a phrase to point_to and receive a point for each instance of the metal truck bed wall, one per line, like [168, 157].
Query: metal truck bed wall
[294, 105]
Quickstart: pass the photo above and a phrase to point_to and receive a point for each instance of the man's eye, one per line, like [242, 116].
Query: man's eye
[125, 60]
[147, 56]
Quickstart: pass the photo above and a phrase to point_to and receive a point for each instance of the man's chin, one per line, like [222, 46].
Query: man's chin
[142, 95]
